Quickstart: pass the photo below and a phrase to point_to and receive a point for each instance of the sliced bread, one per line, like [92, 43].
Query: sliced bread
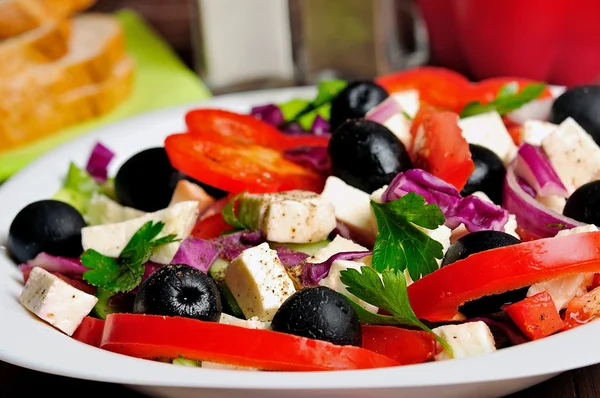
[78, 105]
[44, 44]
[19, 16]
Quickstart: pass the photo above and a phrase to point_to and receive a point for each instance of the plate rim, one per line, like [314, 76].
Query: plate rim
[506, 365]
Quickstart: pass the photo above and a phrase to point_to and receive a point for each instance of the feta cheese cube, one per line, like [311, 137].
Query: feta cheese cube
[252, 323]
[399, 123]
[352, 207]
[409, 101]
[562, 290]
[573, 154]
[337, 245]
[553, 202]
[578, 230]
[259, 282]
[288, 217]
[466, 340]
[111, 239]
[535, 131]
[488, 130]
[377, 195]
[55, 301]
[333, 281]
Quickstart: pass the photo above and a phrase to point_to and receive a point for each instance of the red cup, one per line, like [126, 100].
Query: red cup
[555, 41]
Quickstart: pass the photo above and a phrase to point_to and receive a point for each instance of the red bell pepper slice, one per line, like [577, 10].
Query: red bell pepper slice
[437, 296]
[246, 130]
[440, 148]
[235, 167]
[153, 337]
[582, 309]
[405, 346]
[210, 227]
[536, 316]
[90, 331]
[438, 87]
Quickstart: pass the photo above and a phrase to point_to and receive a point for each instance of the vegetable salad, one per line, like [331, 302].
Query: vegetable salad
[416, 217]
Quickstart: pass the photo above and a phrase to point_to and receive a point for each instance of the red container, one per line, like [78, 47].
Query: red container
[556, 41]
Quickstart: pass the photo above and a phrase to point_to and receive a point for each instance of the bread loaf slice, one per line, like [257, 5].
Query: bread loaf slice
[19, 16]
[44, 44]
[78, 105]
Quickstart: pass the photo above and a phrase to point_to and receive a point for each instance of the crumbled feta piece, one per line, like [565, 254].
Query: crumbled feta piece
[466, 340]
[333, 281]
[252, 323]
[488, 130]
[55, 301]
[337, 245]
[553, 202]
[535, 131]
[259, 282]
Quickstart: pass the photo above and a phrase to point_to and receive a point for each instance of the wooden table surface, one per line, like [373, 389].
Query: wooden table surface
[19, 382]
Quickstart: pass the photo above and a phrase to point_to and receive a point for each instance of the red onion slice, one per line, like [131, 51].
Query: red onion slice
[532, 165]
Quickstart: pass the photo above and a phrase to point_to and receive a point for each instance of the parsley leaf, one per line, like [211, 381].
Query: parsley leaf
[125, 273]
[400, 244]
[507, 100]
[387, 292]
[229, 213]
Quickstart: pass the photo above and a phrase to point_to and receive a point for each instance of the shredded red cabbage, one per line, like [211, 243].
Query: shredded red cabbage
[97, 165]
[312, 273]
[290, 257]
[315, 157]
[532, 165]
[320, 126]
[269, 113]
[197, 253]
[293, 129]
[232, 245]
[475, 213]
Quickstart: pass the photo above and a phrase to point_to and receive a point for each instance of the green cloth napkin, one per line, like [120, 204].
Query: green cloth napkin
[161, 80]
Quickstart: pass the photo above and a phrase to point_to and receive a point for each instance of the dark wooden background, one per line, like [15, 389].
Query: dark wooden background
[18, 382]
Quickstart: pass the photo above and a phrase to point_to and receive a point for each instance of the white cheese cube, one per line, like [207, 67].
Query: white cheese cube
[252, 323]
[573, 154]
[111, 239]
[466, 340]
[333, 281]
[409, 101]
[55, 301]
[553, 202]
[337, 245]
[399, 125]
[103, 210]
[488, 130]
[288, 217]
[352, 207]
[377, 195]
[534, 131]
[562, 290]
[578, 230]
[259, 282]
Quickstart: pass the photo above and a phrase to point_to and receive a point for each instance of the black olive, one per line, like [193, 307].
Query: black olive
[488, 176]
[354, 101]
[179, 290]
[584, 204]
[582, 104]
[477, 242]
[367, 155]
[47, 226]
[319, 313]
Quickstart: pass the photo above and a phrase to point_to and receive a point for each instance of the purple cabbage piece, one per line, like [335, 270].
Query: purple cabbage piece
[269, 113]
[476, 213]
[293, 129]
[312, 273]
[232, 245]
[67, 266]
[197, 253]
[290, 257]
[320, 126]
[97, 165]
[315, 157]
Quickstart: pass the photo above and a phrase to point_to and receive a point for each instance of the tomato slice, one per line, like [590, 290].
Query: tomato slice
[211, 227]
[438, 87]
[90, 331]
[437, 296]
[246, 130]
[152, 337]
[405, 346]
[440, 148]
[536, 316]
[487, 90]
[235, 167]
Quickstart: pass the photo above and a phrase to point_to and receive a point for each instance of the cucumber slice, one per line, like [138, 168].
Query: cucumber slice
[217, 273]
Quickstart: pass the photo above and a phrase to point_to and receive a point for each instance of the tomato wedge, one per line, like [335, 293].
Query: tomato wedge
[440, 148]
[536, 316]
[90, 331]
[405, 346]
[210, 227]
[152, 337]
[246, 130]
[235, 167]
[437, 296]
[438, 87]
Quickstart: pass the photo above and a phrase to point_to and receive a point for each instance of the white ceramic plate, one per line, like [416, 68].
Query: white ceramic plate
[29, 342]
